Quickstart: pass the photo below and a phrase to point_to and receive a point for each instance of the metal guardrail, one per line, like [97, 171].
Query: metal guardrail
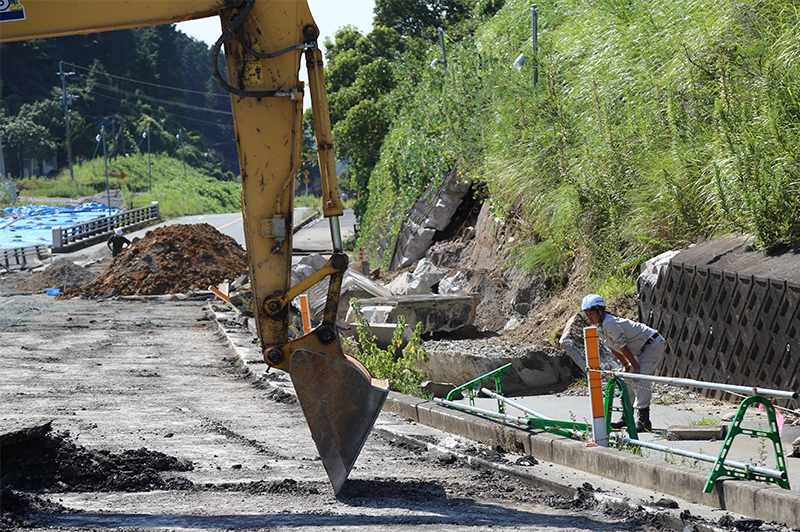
[18, 257]
[65, 237]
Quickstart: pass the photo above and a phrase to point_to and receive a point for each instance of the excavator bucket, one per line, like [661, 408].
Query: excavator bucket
[341, 402]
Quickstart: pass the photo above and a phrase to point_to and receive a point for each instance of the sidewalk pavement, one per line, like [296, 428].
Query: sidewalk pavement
[572, 463]
[654, 470]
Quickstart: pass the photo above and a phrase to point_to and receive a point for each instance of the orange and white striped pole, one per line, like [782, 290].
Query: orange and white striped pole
[361, 254]
[595, 386]
[305, 314]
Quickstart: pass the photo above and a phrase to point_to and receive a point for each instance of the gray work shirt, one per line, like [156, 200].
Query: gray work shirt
[616, 332]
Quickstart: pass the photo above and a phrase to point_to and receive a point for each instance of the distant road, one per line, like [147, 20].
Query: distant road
[314, 238]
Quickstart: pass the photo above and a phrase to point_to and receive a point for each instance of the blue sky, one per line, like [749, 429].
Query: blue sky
[329, 15]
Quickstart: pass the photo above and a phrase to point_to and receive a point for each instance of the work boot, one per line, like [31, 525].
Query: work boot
[643, 424]
[620, 423]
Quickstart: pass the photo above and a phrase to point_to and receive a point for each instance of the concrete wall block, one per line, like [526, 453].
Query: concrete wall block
[723, 326]
[451, 420]
[778, 504]
[403, 405]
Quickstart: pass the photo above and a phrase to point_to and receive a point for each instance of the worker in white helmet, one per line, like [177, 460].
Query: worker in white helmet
[638, 347]
[116, 242]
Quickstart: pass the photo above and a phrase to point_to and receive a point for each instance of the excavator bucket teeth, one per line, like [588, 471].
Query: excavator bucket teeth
[341, 402]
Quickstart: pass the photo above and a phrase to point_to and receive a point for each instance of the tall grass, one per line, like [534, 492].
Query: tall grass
[651, 126]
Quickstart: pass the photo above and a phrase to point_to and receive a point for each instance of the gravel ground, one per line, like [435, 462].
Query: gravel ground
[129, 384]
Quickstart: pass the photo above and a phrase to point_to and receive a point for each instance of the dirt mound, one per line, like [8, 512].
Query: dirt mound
[63, 273]
[51, 463]
[171, 260]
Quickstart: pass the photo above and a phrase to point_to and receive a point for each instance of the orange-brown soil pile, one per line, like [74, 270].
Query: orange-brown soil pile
[170, 260]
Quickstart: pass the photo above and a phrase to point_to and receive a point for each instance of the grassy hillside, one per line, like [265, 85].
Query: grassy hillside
[196, 193]
[652, 126]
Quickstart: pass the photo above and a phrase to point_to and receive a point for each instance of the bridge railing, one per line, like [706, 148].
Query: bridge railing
[23, 257]
[66, 237]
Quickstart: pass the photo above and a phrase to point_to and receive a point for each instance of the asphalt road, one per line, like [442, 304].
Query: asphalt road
[159, 374]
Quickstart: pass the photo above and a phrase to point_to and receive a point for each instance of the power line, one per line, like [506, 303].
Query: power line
[147, 82]
[159, 100]
[207, 134]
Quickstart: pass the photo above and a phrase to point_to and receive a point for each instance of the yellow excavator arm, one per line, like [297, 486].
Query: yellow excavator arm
[264, 42]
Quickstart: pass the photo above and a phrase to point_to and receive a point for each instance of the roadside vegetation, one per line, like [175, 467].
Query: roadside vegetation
[178, 195]
[652, 126]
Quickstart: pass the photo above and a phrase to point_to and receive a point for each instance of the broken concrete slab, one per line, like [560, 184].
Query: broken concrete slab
[406, 284]
[534, 369]
[440, 389]
[696, 432]
[572, 343]
[453, 284]
[437, 313]
[429, 214]
[354, 285]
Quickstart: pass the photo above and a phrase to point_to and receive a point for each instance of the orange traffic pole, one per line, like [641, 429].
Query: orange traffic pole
[305, 314]
[595, 386]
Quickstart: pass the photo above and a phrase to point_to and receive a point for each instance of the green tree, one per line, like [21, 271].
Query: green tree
[416, 17]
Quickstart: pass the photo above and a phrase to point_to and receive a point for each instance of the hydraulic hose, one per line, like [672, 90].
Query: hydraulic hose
[235, 25]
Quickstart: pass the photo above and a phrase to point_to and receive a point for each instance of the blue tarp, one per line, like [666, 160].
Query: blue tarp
[32, 225]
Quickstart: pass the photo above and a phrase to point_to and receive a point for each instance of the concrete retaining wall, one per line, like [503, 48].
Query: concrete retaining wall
[731, 327]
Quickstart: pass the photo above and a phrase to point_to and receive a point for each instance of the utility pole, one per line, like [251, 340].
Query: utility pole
[66, 101]
[183, 153]
[535, 38]
[149, 173]
[105, 158]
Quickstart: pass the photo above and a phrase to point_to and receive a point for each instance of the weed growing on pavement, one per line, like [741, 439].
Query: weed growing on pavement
[398, 366]
[761, 461]
[704, 422]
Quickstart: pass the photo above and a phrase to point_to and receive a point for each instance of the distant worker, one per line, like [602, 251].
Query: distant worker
[116, 242]
[624, 338]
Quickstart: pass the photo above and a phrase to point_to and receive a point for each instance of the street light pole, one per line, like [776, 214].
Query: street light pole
[441, 44]
[105, 159]
[65, 101]
[149, 173]
[183, 153]
[535, 38]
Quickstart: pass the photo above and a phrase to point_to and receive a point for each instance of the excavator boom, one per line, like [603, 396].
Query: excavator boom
[263, 43]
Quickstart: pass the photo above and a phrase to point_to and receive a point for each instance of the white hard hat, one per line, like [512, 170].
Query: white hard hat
[591, 301]
[118, 232]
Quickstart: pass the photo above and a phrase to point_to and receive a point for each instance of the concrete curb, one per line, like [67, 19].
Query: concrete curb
[761, 501]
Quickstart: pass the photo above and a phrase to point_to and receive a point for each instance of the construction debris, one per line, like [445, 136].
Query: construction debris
[170, 260]
[63, 274]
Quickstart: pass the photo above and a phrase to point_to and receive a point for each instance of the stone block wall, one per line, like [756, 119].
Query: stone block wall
[726, 327]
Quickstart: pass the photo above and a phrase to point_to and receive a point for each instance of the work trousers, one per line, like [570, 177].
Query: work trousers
[647, 359]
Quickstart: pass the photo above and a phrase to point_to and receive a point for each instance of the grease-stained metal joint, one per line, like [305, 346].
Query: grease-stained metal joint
[310, 33]
[326, 335]
[272, 306]
[273, 356]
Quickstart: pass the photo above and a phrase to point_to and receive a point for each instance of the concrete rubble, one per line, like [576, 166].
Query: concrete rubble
[572, 343]
[430, 214]
[354, 285]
